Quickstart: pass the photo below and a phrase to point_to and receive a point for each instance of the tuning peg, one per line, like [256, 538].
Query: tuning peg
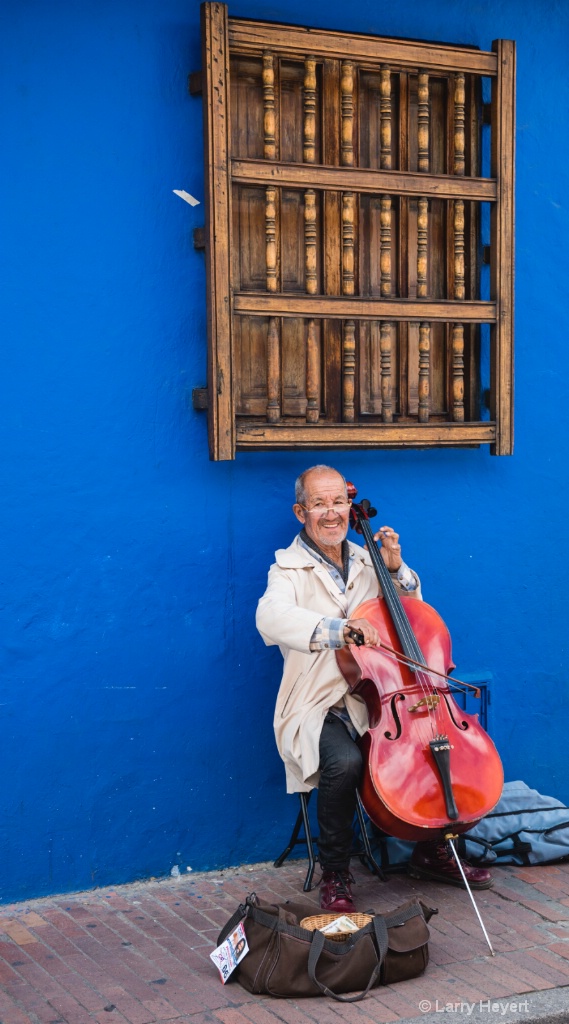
[369, 511]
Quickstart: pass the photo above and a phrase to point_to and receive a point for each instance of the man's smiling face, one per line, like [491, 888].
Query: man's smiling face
[325, 524]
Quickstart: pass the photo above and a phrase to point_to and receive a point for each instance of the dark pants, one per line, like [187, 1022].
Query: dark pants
[340, 773]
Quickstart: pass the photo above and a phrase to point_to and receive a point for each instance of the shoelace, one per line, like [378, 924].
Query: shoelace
[341, 881]
[444, 855]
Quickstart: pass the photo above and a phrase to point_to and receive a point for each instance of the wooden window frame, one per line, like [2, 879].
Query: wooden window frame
[222, 36]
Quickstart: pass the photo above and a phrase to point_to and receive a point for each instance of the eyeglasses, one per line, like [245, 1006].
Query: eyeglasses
[341, 507]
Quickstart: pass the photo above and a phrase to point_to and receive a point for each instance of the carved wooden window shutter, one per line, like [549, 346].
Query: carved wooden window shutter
[348, 304]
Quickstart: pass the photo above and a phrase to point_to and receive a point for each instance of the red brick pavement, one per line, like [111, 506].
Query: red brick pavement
[140, 954]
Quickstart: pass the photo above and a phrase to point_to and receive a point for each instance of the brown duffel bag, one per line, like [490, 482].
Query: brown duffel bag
[289, 961]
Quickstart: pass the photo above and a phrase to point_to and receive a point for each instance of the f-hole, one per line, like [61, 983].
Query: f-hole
[396, 697]
[463, 726]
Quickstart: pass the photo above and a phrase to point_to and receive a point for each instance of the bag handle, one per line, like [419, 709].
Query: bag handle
[240, 914]
[317, 945]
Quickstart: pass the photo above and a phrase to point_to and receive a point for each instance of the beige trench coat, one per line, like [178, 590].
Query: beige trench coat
[300, 592]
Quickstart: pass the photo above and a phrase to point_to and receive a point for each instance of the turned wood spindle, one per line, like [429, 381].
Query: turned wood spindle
[311, 284]
[459, 141]
[310, 241]
[348, 210]
[347, 99]
[386, 351]
[458, 226]
[386, 329]
[348, 371]
[424, 371]
[385, 119]
[422, 204]
[273, 372]
[309, 110]
[457, 365]
[458, 372]
[423, 121]
[422, 238]
[269, 120]
[273, 334]
[271, 238]
[312, 374]
[385, 245]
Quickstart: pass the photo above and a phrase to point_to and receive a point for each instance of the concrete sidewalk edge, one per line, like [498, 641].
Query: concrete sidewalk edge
[548, 1007]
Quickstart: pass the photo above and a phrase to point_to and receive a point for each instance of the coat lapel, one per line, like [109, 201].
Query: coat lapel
[297, 556]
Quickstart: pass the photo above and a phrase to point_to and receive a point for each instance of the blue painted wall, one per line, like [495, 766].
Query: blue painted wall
[136, 698]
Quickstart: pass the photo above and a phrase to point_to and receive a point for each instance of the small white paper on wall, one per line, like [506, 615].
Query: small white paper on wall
[186, 196]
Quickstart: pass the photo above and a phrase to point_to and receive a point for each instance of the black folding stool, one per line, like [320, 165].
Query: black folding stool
[303, 821]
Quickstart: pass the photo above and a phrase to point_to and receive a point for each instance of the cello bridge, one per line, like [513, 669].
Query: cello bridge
[430, 702]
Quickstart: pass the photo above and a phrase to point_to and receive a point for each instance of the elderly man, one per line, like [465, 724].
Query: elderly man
[314, 587]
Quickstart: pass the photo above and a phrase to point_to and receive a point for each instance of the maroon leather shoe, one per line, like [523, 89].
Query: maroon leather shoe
[335, 892]
[435, 861]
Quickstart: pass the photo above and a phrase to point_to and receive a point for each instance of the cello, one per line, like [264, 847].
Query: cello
[430, 770]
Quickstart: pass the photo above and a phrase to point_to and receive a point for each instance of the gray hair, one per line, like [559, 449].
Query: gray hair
[299, 490]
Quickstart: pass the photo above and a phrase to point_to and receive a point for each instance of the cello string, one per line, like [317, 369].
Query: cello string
[422, 676]
[455, 685]
[395, 608]
[403, 628]
[424, 681]
[401, 623]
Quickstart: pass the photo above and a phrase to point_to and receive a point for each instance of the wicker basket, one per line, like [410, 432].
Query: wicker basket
[321, 920]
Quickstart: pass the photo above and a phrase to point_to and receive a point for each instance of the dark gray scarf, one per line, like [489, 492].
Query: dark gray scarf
[344, 571]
